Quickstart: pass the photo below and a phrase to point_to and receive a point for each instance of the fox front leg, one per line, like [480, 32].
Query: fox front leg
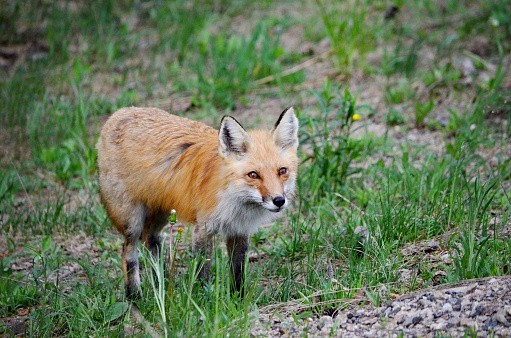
[237, 249]
[202, 248]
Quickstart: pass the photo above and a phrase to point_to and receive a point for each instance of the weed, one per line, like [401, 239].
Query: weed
[348, 34]
[227, 65]
[327, 136]
[422, 110]
[474, 245]
[15, 295]
[402, 59]
[394, 118]
[396, 94]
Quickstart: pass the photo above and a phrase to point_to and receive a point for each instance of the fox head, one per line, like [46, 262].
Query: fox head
[262, 166]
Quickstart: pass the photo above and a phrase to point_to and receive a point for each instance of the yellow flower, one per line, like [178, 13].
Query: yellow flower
[356, 117]
[180, 229]
[256, 70]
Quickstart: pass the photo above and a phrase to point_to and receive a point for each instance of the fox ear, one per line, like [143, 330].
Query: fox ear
[285, 131]
[232, 138]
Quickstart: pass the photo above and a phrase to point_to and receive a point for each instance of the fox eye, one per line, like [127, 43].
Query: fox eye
[282, 171]
[253, 175]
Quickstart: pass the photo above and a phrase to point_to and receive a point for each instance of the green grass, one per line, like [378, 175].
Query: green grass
[365, 198]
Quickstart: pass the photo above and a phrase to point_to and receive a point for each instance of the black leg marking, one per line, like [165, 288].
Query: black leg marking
[154, 244]
[237, 249]
[131, 267]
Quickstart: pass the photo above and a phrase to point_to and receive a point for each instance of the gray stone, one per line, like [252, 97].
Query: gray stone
[424, 302]
[439, 326]
[477, 310]
[401, 319]
[500, 316]
[447, 307]
[455, 321]
[468, 322]
[489, 324]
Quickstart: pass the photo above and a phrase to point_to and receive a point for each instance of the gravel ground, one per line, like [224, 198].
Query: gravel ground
[479, 308]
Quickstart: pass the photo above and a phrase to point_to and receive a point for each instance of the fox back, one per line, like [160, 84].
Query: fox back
[228, 181]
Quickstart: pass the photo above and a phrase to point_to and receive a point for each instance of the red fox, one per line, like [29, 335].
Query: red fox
[227, 182]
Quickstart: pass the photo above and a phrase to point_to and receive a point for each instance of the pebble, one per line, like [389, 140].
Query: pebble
[447, 307]
[454, 321]
[490, 324]
[468, 322]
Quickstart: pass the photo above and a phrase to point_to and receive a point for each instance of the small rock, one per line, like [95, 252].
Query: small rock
[412, 321]
[431, 298]
[439, 326]
[467, 322]
[401, 319]
[406, 275]
[500, 316]
[369, 320]
[471, 288]
[454, 321]
[395, 310]
[477, 309]
[447, 307]
[416, 320]
[325, 320]
[478, 294]
[446, 259]
[440, 295]
[489, 324]
[433, 245]
[407, 322]
[370, 333]
[438, 314]
[424, 302]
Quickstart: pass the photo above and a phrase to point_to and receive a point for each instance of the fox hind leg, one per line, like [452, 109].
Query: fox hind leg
[130, 263]
[131, 269]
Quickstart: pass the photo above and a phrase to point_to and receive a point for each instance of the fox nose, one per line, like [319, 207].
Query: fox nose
[279, 201]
